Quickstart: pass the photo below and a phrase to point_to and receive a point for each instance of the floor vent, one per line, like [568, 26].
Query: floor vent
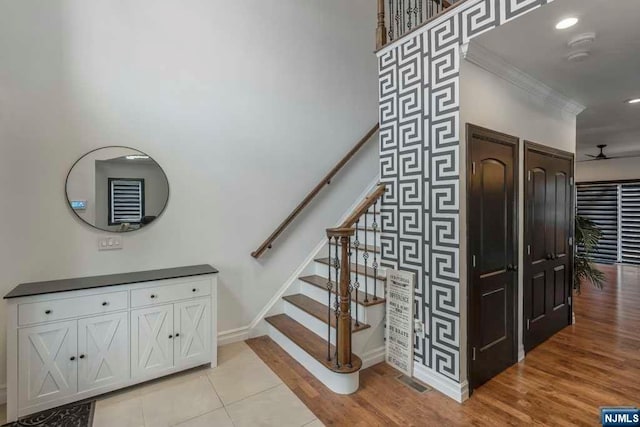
[420, 388]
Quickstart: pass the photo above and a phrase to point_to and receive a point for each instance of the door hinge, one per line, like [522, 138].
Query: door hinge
[473, 261]
[528, 249]
[474, 354]
[528, 324]
[529, 176]
[570, 241]
[473, 168]
[570, 301]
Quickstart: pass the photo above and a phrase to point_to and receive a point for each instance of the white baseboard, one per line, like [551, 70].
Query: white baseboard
[373, 357]
[521, 353]
[3, 394]
[233, 335]
[457, 391]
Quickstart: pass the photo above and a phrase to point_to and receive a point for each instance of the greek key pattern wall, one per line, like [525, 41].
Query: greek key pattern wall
[420, 163]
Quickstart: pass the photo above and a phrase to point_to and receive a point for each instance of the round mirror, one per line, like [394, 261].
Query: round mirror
[117, 189]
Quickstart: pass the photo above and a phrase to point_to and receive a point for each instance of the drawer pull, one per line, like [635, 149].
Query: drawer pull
[177, 335]
[82, 356]
[153, 296]
[194, 290]
[72, 358]
[170, 336]
[104, 304]
[47, 312]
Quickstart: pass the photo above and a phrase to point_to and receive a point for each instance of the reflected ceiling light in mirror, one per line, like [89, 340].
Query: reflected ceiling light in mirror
[566, 23]
[634, 101]
[136, 157]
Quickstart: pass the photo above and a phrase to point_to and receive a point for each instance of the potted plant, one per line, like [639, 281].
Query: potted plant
[587, 237]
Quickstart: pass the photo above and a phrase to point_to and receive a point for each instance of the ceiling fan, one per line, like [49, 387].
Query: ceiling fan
[602, 156]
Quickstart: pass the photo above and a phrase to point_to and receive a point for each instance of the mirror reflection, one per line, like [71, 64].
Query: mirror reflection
[117, 189]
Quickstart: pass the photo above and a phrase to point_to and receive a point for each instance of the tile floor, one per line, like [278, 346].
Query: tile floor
[241, 391]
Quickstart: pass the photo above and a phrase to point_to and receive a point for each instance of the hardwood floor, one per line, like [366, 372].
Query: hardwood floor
[562, 382]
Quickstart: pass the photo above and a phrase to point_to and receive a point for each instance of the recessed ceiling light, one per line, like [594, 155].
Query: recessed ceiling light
[566, 23]
[634, 101]
[137, 157]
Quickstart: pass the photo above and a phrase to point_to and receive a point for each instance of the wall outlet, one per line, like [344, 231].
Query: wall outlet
[109, 243]
[418, 328]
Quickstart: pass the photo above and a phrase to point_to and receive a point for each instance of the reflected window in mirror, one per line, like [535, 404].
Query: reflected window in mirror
[117, 189]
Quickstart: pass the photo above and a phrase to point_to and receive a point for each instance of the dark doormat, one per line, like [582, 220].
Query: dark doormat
[78, 414]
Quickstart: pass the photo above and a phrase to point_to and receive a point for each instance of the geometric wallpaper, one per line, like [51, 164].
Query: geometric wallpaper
[420, 163]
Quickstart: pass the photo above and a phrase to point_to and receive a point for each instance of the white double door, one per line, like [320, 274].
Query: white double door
[62, 359]
[169, 337]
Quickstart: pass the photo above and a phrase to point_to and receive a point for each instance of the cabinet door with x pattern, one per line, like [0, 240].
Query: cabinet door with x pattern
[48, 363]
[151, 341]
[193, 332]
[103, 351]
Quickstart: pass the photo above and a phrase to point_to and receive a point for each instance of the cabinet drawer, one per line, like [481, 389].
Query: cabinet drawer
[48, 311]
[168, 293]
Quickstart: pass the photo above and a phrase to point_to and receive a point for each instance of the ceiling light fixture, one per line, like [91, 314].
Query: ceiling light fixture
[566, 23]
[634, 101]
[137, 157]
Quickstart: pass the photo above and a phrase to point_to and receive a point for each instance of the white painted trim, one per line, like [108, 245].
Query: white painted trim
[373, 357]
[233, 335]
[314, 253]
[457, 391]
[3, 394]
[521, 352]
[488, 60]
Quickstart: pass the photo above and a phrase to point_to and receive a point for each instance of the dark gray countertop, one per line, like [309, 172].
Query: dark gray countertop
[65, 285]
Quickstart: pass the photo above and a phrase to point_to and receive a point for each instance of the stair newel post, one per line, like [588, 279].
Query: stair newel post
[381, 30]
[336, 265]
[343, 340]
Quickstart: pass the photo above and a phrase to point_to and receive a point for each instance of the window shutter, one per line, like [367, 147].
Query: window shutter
[126, 201]
[630, 223]
[599, 203]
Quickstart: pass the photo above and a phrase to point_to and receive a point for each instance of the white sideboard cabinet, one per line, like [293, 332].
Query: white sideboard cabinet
[69, 340]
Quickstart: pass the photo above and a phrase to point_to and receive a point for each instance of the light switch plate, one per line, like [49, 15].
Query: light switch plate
[418, 328]
[109, 243]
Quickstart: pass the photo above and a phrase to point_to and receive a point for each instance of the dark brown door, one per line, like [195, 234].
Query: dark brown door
[548, 247]
[492, 221]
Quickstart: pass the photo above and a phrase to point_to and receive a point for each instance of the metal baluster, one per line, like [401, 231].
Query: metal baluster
[337, 300]
[409, 12]
[374, 225]
[329, 286]
[365, 256]
[420, 10]
[350, 289]
[356, 284]
[397, 17]
[391, 20]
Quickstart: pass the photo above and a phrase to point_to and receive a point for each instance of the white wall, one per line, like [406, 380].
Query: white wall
[491, 102]
[245, 105]
[608, 170]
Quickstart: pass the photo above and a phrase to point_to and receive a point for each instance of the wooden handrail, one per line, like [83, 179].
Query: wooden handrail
[363, 206]
[325, 181]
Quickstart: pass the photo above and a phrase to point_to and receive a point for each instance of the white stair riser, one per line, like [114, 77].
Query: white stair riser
[320, 295]
[320, 328]
[338, 383]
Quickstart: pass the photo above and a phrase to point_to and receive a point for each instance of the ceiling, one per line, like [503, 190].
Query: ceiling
[602, 82]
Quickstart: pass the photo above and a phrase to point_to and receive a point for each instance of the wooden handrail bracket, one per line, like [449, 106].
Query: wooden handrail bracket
[325, 181]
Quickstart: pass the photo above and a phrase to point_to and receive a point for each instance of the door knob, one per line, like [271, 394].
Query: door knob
[549, 256]
[72, 358]
[512, 267]
[82, 356]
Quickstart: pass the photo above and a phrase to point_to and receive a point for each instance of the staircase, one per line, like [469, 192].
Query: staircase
[332, 319]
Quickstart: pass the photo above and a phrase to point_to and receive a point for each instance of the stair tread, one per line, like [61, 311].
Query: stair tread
[315, 346]
[367, 271]
[321, 282]
[319, 311]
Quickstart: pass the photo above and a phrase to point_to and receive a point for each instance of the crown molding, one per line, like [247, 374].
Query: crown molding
[489, 61]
